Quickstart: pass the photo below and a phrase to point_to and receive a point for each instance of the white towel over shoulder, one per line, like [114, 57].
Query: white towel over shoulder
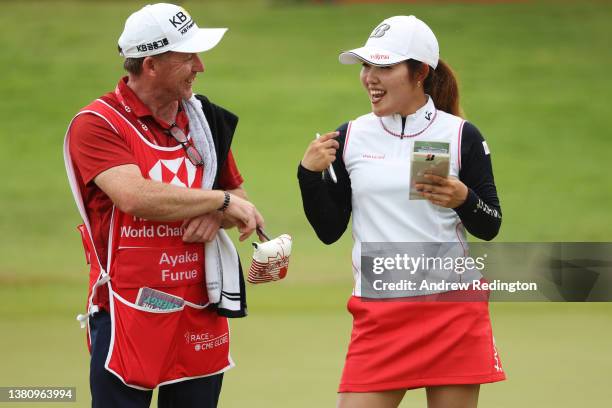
[222, 264]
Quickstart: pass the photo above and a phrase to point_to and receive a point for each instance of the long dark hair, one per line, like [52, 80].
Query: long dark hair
[441, 84]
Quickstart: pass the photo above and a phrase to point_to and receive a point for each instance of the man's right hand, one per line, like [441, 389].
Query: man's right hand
[244, 214]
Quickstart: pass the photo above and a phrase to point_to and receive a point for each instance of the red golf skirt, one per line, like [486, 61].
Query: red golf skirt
[413, 344]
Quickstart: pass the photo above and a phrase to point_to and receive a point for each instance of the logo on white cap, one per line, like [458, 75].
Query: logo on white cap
[380, 30]
[162, 27]
[178, 21]
[396, 39]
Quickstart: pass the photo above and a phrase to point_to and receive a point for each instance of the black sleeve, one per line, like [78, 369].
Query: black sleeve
[222, 125]
[481, 212]
[327, 205]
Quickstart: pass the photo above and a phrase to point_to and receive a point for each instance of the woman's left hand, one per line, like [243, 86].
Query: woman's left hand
[448, 192]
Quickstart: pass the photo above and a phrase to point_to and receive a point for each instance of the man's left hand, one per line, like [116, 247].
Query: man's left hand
[448, 192]
[202, 228]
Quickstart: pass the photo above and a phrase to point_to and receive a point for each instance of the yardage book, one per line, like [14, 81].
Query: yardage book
[158, 300]
[431, 157]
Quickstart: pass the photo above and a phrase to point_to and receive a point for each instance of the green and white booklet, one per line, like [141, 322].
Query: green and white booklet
[158, 300]
[430, 157]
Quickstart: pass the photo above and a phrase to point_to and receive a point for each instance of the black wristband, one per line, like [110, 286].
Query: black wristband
[226, 201]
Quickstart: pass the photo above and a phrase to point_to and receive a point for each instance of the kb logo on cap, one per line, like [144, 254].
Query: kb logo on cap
[380, 30]
[178, 19]
[182, 21]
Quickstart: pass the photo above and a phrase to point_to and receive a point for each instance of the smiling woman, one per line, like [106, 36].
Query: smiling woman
[402, 83]
[445, 347]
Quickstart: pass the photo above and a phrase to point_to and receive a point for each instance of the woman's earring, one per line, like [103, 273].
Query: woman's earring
[419, 84]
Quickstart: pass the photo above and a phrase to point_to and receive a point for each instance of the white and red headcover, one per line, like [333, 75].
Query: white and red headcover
[270, 260]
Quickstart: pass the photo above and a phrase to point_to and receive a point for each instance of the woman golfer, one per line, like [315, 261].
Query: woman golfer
[445, 347]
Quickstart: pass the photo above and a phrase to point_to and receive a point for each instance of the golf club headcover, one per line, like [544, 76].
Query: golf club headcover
[270, 260]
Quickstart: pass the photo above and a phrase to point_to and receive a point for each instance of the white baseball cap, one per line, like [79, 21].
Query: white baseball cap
[394, 40]
[162, 27]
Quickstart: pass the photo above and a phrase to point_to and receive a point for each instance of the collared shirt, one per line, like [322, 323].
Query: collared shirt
[144, 114]
[95, 147]
[411, 125]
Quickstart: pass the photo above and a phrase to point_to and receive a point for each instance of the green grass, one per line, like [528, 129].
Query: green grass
[534, 79]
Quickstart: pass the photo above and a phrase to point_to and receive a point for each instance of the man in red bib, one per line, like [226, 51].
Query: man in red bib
[154, 178]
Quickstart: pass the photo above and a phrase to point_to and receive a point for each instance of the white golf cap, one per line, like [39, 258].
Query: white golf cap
[394, 40]
[162, 27]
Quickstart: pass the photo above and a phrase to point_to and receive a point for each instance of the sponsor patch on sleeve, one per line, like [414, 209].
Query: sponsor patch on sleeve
[486, 147]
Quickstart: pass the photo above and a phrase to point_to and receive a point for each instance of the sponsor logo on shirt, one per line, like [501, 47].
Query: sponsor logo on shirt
[373, 156]
[180, 172]
[486, 147]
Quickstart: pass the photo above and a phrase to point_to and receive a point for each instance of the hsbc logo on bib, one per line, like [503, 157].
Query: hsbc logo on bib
[180, 172]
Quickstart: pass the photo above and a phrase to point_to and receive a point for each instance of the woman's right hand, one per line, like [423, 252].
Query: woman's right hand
[321, 152]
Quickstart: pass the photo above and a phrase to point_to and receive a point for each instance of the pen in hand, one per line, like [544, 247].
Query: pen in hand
[330, 170]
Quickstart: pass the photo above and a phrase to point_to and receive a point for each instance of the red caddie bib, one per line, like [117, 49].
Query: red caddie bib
[151, 347]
